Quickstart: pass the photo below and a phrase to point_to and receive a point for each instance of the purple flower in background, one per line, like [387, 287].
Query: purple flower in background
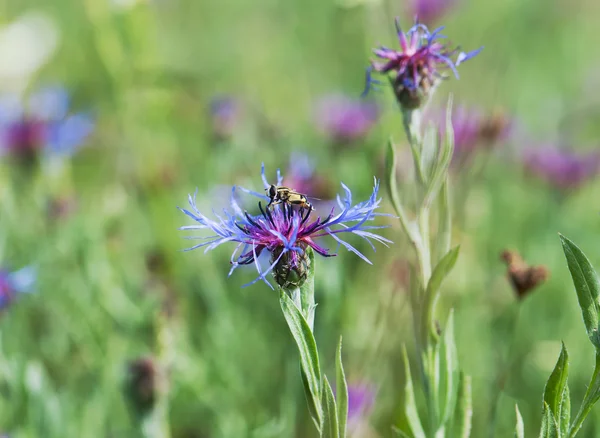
[474, 131]
[562, 168]
[42, 122]
[418, 66]
[13, 283]
[284, 232]
[429, 11]
[301, 176]
[361, 399]
[345, 119]
[225, 114]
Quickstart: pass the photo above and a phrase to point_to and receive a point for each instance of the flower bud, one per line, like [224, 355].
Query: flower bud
[292, 269]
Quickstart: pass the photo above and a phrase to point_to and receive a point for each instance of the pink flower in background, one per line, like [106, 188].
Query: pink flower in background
[562, 168]
[343, 118]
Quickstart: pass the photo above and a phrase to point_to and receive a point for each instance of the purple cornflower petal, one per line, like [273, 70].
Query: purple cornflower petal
[283, 231]
[13, 283]
[419, 64]
[561, 168]
[345, 119]
[42, 122]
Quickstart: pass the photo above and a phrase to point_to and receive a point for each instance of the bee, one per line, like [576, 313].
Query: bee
[280, 194]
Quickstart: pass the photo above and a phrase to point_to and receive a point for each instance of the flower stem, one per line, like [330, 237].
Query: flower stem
[591, 396]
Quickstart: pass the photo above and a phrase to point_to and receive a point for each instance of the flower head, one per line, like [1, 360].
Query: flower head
[345, 119]
[562, 168]
[13, 283]
[418, 66]
[285, 232]
[41, 122]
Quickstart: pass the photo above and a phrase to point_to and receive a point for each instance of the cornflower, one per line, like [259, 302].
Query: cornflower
[41, 122]
[418, 66]
[285, 232]
[13, 283]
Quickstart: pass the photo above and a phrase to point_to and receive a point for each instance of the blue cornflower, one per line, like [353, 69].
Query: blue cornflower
[42, 122]
[285, 232]
[418, 65]
[13, 283]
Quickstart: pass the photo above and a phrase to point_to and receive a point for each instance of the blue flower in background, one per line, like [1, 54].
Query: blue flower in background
[41, 123]
[13, 283]
[284, 231]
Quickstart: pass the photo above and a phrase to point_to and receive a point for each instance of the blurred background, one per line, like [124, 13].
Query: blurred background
[111, 112]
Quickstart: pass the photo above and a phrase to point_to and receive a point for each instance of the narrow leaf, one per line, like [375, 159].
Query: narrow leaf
[440, 272]
[329, 428]
[444, 227]
[307, 347]
[442, 269]
[429, 151]
[549, 427]
[556, 388]
[520, 426]
[341, 392]
[587, 287]
[410, 404]
[565, 413]
[449, 370]
[464, 408]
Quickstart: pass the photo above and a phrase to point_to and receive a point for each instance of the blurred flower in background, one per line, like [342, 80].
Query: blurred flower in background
[344, 119]
[41, 123]
[302, 177]
[475, 132]
[13, 283]
[361, 399]
[225, 114]
[564, 169]
[429, 11]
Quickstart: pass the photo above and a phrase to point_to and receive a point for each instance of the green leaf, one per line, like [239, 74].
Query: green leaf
[464, 408]
[549, 427]
[410, 404]
[307, 291]
[440, 272]
[429, 151]
[440, 170]
[557, 391]
[444, 228]
[449, 370]
[329, 428]
[341, 388]
[587, 287]
[520, 426]
[307, 347]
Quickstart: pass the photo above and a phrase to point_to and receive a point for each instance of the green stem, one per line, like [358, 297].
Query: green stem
[156, 423]
[591, 396]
